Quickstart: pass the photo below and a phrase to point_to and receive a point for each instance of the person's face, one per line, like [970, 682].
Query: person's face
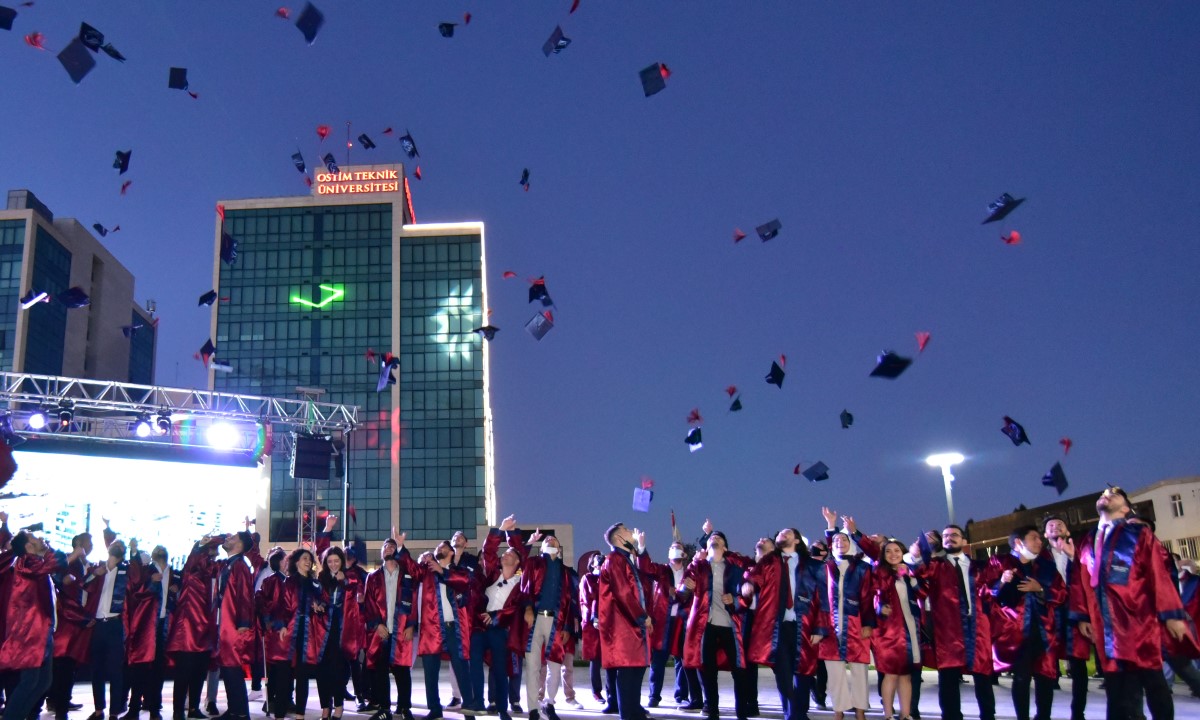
[1033, 542]
[1056, 529]
[764, 547]
[716, 545]
[117, 550]
[233, 545]
[387, 551]
[86, 545]
[893, 554]
[333, 561]
[36, 545]
[159, 556]
[552, 541]
[1112, 503]
[786, 540]
[443, 554]
[459, 541]
[841, 544]
[509, 562]
[622, 537]
[304, 564]
[595, 564]
[953, 540]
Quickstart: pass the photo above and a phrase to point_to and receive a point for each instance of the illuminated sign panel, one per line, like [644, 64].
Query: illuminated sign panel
[358, 182]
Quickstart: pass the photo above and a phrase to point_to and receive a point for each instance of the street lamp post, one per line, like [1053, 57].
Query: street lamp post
[945, 461]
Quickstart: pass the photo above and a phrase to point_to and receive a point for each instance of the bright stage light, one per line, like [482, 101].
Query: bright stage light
[223, 436]
[142, 427]
[37, 421]
[163, 423]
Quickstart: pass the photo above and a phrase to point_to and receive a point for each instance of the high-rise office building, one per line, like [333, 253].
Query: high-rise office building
[323, 286]
[112, 338]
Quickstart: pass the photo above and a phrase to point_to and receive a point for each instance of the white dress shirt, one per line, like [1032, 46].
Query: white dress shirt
[790, 562]
[498, 592]
[963, 563]
[104, 609]
[164, 585]
[390, 582]
[678, 574]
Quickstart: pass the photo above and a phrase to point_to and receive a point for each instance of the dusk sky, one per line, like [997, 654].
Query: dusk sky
[876, 132]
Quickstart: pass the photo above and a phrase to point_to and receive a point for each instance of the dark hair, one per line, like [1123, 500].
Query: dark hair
[19, 542]
[956, 527]
[1047, 520]
[609, 532]
[247, 540]
[326, 577]
[883, 550]
[1021, 532]
[294, 557]
[275, 558]
[78, 540]
[718, 533]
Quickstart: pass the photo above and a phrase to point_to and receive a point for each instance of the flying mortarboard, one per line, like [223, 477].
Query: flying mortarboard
[33, 297]
[366, 142]
[775, 376]
[1015, 431]
[847, 419]
[538, 291]
[999, 208]
[387, 363]
[207, 351]
[1056, 478]
[768, 231]
[525, 179]
[177, 78]
[207, 298]
[129, 330]
[487, 332]
[222, 366]
[694, 439]
[736, 404]
[642, 498]
[654, 79]
[298, 161]
[229, 247]
[100, 229]
[121, 161]
[540, 324]
[890, 365]
[409, 145]
[91, 38]
[310, 22]
[77, 61]
[447, 29]
[74, 298]
[7, 15]
[557, 42]
[112, 52]
[817, 472]
[330, 163]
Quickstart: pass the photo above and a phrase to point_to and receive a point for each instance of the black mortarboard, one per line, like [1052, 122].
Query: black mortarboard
[330, 162]
[100, 229]
[539, 325]
[694, 439]
[298, 161]
[642, 498]
[7, 15]
[121, 161]
[736, 405]
[366, 142]
[74, 298]
[409, 145]
[525, 178]
[129, 330]
[889, 365]
[112, 52]
[33, 297]
[847, 419]
[310, 22]
[229, 246]
[775, 377]
[999, 208]
[387, 363]
[538, 291]
[557, 42]
[177, 79]
[768, 231]
[817, 472]
[447, 29]
[207, 350]
[487, 331]
[91, 38]
[358, 550]
[208, 298]
[1056, 478]
[1015, 431]
[653, 80]
[77, 61]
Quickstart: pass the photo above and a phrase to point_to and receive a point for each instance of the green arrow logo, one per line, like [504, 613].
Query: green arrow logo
[336, 294]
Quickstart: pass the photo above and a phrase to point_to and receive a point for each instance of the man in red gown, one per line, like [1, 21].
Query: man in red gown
[625, 625]
[147, 598]
[233, 618]
[29, 623]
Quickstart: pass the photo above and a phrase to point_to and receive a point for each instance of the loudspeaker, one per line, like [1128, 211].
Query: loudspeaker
[310, 457]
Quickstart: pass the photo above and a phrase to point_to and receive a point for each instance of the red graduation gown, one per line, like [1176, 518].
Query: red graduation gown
[1017, 616]
[589, 610]
[960, 640]
[700, 572]
[396, 650]
[271, 607]
[1068, 641]
[533, 573]
[192, 624]
[767, 577]
[233, 617]
[29, 612]
[458, 586]
[76, 608]
[143, 597]
[488, 573]
[624, 593]
[849, 594]
[892, 643]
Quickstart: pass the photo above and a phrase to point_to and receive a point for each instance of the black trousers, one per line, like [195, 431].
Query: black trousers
[303, 672]
[1079, 687]
[950, 694]
[820, 683]
[916, 691]
[331, 677]
[280, 686]
[629, 692]
[720, 638]
[191, 669]
[146, 679]
[1122, 690]
[236, 698]
[381, 686]
[61, 684]
[108, 664]
[1023, 673]
[785, 674]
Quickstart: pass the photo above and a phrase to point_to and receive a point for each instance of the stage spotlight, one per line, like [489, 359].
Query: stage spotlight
[37, 421]
[66, 414]
[142, 427]
[222, 436]
[163, 423]
[8, 433]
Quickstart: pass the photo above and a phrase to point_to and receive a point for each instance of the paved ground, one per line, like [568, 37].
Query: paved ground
[1186, 707]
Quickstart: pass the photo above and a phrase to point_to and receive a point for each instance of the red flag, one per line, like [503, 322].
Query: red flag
[922, 340]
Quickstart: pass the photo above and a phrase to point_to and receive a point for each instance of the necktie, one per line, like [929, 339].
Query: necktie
[963, 595]
[1098, 554]
[791, 594]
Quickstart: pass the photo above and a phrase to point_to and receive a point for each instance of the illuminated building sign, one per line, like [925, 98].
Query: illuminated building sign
[358, 182]
[329, 293]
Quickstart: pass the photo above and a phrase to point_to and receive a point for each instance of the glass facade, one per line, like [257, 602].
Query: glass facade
[280, 329]
[141, 351]
[12, 244]
[46, 327]
[443, 474]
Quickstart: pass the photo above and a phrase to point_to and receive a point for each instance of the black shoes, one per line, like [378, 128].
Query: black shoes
[533, 714]
[550, 713]
[195, 714]
[211, 709]
[454, 702]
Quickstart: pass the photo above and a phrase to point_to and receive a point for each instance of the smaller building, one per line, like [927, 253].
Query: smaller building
[112, 338]
[1177, 513]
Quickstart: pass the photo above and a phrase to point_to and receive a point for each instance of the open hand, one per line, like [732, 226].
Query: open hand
[707, 527]
[830, 517]
[508, 523]
[1029, 585]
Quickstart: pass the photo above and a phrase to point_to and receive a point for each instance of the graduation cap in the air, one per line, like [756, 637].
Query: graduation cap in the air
[694, 439]
[222, 366]
[1015, 431]
[1056, 478]
[121, 161]
[736, 404]
[538, 291]
[557, 42]
[206, 352]
[447, 29]
[776, 375]
[488, 332]
[387, 363]
[298, 161]
[847, 419]
[7, 15]
[100, 229]
[999, 208]
[310, 22]
[91, 38]
[890, 365]
[540, 324]
[76, 60]
[112, 52]
[33, 297]
[654, 79]
[74, 298]
[768, 231]
[229, 246]
[642, 498]
[177, 79]
[207, 298]
[817, 472]
[408, 145]
[330, 163]
[129, 330]
[366, 142]
[525, 179]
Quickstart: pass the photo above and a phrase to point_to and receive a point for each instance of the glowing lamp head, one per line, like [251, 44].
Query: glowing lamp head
[222, 436]
[142, 429]
[944, 460]
[37, 421]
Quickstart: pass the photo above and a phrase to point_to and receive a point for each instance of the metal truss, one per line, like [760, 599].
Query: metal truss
[27, 392]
